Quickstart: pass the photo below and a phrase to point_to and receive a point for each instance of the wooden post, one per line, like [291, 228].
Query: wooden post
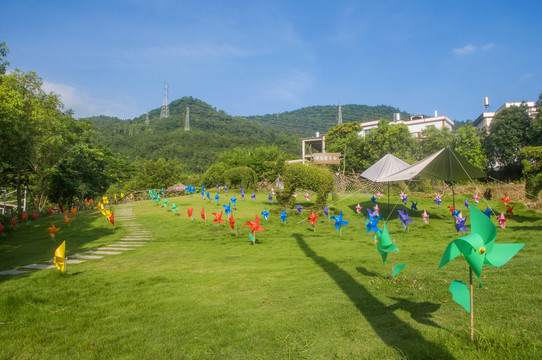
[344, 160]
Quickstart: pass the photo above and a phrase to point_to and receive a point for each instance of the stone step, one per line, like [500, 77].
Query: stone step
[38, 266]
[78, 256]
[103, 252]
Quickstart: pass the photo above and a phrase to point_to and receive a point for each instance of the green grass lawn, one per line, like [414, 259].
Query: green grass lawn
[199, 291]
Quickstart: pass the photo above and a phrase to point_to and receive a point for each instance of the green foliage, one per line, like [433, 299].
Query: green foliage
[307, 121]
[434, 139]
[156, 174]
[4, 51]
[262, 159]
[215, 174]
[299, 176]
[389, 139]
[510, 131]
[532, 170]
[211, 133]
[341, 131]
[240, 176]
[469, 144]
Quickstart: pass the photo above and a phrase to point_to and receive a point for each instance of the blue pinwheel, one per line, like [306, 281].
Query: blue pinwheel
[460, 224]
[270, 198]
[299, 208]
[339, 222]
[202, 192]
[438, 200]
[265, 214]
[326, 211]
[405, 220]
[208, 195]
[372, 224]
[227, 209]
[283, 216]
[373, 200]
[216, 198]
[226, 188]
[372, 213]
[455, 213]
[405, 200]
[217, 187]
[467, 204]
[414, 206]
[488, 212]
[234, 201]
[253, 196]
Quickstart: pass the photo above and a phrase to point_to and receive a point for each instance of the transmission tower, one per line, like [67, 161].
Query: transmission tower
[147, 121]
[164, 112]
[187, 120]
[340, 121]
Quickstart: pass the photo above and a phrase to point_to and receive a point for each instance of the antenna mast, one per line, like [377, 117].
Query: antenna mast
[147, 121]
[187, 120]
[164, 112]
[340, 121]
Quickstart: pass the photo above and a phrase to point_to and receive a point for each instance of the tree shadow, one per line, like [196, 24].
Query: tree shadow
[392, 330]
[421, 312]
[365, 272]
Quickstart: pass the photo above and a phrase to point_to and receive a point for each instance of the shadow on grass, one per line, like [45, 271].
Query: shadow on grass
[421, 312]
[392, 330]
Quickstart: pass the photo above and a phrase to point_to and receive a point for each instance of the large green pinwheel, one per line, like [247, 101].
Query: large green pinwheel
[386, 245]
[479, 247]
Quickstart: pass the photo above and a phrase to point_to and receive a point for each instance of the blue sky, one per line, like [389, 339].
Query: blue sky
[258, 57]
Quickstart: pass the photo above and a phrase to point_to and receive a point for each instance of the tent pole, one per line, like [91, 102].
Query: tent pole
[388, 199]
[451, 176]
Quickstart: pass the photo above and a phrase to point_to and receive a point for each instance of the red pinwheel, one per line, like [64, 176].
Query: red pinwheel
[452, 209]
[2, 230]
[34, 215]
[112, 220]
[25, 216]
[312, 219]
[203, 214]
[506, 199]
[509, 210]
[189, 212]
[218, 219]
[232, 222]
[254, 226]
[67, 220]
[14, 223]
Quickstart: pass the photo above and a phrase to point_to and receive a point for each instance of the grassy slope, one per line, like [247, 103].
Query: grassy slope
[200, 291]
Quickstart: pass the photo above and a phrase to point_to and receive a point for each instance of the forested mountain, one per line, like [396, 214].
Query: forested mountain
[211, 132]
[307, 121]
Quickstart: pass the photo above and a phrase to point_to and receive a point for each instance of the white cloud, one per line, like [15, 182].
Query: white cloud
[467, 49]
[487, 47]
[85, 105]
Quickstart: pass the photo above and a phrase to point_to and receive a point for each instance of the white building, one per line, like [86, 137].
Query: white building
[485, 119]
[415, 124]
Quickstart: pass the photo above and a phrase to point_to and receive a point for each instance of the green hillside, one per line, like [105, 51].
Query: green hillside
[307, 121]
[211, 132]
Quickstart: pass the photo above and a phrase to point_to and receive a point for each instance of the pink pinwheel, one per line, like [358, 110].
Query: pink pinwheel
[502, 220]
[438, 199]
[425, 217]
[376, 210]
[272, 191]
[509, 210]
[307, 197]
[476, 197]
[378, 195]
[358, 208]
[402, 195]
[294, 195]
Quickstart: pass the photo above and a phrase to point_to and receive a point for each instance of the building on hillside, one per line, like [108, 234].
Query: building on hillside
[415, 124]
[485, 119]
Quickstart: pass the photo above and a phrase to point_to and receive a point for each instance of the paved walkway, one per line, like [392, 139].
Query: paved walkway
[137, 236]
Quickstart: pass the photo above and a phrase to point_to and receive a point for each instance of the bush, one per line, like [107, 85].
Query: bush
[319, 180]
[215, 174]
[240, 176]
[532, 170]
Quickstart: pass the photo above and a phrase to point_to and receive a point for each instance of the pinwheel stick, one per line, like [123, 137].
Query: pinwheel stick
[471, 306]
[393, 260]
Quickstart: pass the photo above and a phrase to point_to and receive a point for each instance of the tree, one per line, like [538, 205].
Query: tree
[468, 143]
[156, 174]
[532, 169]
[393, 139]
[4, 51]
[509, 133]
[434, 139]
[341, 131]
[36, 135]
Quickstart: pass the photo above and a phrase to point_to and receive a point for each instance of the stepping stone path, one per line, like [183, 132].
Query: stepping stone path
[136, 237]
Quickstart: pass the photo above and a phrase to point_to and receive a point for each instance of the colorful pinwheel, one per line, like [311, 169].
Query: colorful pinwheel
[373, 200]
[218, 219]
[112, 220]
[227, 209]
[234, 201]
[34, 215]
[203, 214]
[166, 201]
[438, 200]
[226, 188]
[358, 208]
[476, 197]
[372, 213]
[373, 222]
[425, 217]
[2, 230]
[283, 216]
[272, 191]
[174, 208]
[299, 208]
[307, 197]
[25, 216]
[385, 244]
[326, 211]
[294, 195]
[216, 198]
[253, 197]
[265, 214]
[339, 222]
[405, 220]
[466, 204]
[208, 195]
[189, 212]
[232, 222]
[242, 193]
[14, 223]
[270, 198]
[414, 206]
[378, 195]
[67, 220]
[488, 212]
[312, 218]
[451, 208]
[505, 200]
[376, 210]
[460, 223]
[509, 210]
[456, 213]
[52, 231]
[254, 226]
[59, 259]
[502, 220]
